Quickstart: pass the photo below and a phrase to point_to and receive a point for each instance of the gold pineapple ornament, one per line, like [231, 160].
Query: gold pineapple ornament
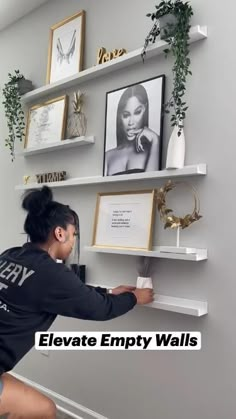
[77, 122]
[78, 101]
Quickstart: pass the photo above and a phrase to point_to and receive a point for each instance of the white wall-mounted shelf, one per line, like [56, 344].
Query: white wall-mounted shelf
[174, 304]
[134, 57]
[179, 305]
[195, 170]
[59, 145]
[201, 254]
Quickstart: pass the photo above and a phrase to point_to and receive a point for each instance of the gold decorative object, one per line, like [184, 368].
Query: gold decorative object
[77, 122]
[29, 179]
[103, 56]
[171, 220]
[26, 179]
[78, 101]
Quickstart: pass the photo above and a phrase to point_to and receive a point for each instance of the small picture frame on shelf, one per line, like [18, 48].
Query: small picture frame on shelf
[124, 220]
[46, 123]
[133, 128]
[66, 48]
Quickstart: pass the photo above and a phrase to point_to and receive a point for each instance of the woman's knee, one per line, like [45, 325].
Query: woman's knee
[18, 398]
[48, 409]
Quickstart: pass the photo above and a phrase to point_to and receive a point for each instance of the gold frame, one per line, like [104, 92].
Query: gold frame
[65, 98]
[151, 224]
[57, 25]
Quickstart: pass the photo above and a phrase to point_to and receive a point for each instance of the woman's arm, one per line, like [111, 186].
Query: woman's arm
[101, 290]
[68, 296]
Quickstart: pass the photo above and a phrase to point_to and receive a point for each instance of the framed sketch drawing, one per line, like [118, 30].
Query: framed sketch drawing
[133, 128]
[124, 220]
[46, 123]
[66, 48]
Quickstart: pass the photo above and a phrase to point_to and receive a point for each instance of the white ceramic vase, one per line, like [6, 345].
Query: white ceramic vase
[176, 150]
[144, 282]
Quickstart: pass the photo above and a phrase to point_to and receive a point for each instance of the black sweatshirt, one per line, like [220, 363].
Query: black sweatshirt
[34, 289]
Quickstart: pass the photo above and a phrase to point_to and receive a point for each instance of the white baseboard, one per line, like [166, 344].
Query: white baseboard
[65, 405]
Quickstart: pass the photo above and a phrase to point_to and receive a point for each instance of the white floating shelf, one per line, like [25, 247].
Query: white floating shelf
[134, 57]
[200, 254]
[179, 305]
[195, 170]
[174, 304]
[59, 145]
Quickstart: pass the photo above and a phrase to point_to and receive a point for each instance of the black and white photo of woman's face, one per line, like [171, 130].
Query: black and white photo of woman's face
[132, 117]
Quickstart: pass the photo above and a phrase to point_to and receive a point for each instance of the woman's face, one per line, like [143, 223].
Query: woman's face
[132, 117]
[67, 242]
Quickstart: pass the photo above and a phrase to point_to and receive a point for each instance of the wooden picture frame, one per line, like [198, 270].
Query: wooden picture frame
[46, 123]
[124, 220]
[66, 48]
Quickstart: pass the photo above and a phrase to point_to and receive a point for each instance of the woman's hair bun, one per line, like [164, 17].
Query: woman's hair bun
[37, 201]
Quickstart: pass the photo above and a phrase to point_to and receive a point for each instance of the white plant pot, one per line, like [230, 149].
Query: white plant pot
[144, 282]
[176, 150]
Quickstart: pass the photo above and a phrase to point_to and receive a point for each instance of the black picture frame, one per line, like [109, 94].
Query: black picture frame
[134, 117]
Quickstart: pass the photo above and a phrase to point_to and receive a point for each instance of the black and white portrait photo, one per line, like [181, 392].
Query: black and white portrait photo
[133, 128]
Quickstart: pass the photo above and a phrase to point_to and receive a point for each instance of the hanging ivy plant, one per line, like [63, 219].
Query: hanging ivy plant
[13, 111]
[177, 38]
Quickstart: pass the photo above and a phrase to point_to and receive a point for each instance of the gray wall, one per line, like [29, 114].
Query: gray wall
[136, 385]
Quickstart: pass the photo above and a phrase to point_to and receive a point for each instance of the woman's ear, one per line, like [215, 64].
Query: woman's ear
[60, 234]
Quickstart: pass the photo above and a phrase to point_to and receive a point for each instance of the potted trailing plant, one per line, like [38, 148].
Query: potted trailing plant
[172, 22]
[13, 110]
[145, 271]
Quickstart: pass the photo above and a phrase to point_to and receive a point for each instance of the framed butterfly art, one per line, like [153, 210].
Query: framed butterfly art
[66, 48]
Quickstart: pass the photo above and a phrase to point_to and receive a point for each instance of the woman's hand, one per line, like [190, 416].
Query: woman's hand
[148, 136]
[122, 288]
[144, 295]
